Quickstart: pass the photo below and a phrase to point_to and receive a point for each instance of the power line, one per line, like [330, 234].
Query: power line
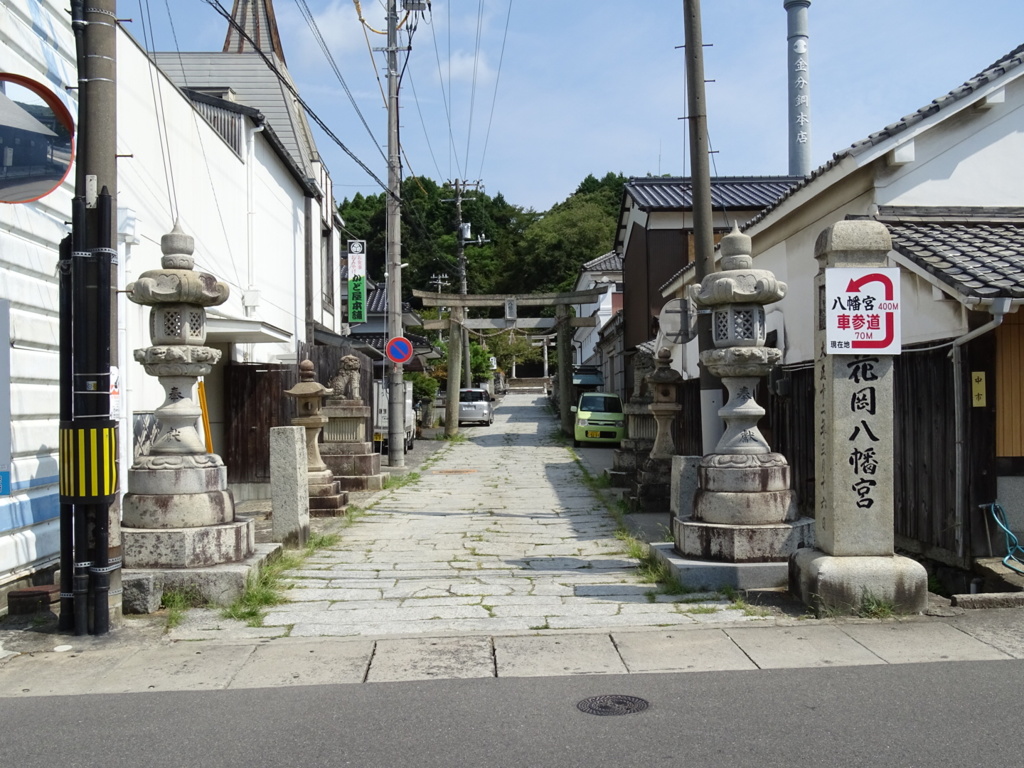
[444, 94]
[476, 65]
[215, 4]
[311, 23]
[497, 79]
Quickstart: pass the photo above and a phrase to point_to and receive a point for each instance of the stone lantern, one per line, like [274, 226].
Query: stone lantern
[178, 513]
[324, 493]
[664, 382]
[744, 510]
[309, 395]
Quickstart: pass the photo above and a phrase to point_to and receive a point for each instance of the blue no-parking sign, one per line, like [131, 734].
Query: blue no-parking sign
[399, 350]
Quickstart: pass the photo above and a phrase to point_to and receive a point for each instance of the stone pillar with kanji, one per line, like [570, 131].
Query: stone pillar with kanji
[854, 563]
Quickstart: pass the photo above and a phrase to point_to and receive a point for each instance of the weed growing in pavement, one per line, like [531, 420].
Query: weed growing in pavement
[872, 607]
[264, 588]
[400, 481]
[177, 600]
[701, 609]
[458, 437]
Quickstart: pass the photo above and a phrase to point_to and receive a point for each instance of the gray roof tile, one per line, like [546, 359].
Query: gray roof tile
[610, 262]
[979, 253]
[727, 192]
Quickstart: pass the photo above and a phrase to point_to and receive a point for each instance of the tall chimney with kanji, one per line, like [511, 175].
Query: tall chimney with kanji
[799, 88]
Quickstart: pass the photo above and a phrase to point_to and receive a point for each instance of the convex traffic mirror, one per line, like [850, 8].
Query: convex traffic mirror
[36, 139]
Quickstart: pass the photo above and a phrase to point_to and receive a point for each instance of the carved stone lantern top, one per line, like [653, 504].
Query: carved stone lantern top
[737, 295]
[176, 282]
[664, 379]
[308, 393]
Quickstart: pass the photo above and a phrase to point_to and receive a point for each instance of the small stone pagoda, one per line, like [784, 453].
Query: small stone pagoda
[744, 510]
[178, 515]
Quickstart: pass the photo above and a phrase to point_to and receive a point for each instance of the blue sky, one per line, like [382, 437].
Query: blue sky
[564, 88]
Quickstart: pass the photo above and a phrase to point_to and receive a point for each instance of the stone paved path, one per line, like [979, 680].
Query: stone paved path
[499, 534]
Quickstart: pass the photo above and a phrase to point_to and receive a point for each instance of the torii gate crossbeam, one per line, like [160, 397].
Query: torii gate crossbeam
[560, 301]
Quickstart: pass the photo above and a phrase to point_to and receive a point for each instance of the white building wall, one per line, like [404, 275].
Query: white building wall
[247, 219]
[35, 42]
[246, 214]
[962, 161]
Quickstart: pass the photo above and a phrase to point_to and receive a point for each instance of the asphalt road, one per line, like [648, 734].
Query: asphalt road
[908, 715]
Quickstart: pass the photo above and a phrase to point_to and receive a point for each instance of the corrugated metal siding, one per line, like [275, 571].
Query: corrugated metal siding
[35, 41]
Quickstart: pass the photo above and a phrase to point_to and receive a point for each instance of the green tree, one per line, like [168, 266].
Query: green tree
[511, 348]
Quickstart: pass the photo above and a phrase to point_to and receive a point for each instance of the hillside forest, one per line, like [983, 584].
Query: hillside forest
[523, 251]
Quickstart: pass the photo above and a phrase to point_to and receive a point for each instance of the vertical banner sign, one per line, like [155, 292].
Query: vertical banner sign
[862, 311]
[5, 399]
[357, 281]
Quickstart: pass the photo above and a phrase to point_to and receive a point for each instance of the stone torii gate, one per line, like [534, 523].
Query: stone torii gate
[561, 322]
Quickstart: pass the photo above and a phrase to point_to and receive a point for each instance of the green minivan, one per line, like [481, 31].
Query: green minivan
[599, 419]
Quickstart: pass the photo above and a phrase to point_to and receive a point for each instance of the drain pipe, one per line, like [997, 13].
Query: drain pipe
[999, 308]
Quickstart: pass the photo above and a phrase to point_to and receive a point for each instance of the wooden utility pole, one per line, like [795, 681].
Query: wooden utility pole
[703, 230]
[396, 392]
[461, 232]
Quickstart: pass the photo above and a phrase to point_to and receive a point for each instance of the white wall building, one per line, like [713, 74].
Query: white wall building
[263, 219]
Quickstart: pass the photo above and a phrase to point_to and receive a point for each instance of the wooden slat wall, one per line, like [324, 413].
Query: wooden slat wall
[924, 448]
[1009, 387]
[256, 402]
[788, 426]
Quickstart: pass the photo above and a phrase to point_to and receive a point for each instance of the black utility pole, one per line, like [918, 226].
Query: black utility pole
[88, 434]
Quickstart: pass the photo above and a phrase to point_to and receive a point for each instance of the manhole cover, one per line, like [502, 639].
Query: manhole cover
[614, 704]
[454, 471]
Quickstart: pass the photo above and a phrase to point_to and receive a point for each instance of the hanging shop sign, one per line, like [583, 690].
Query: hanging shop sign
[357, 281]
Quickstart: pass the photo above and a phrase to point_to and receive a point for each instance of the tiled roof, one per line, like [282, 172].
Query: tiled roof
[377, 300]
[1010, 61]
[610, 262]
[977, 252]
[674, 194]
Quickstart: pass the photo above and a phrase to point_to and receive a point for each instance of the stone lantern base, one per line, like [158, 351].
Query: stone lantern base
[345, 449]
[744, 513]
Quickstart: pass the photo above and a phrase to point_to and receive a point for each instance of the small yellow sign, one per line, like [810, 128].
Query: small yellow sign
[978, 390]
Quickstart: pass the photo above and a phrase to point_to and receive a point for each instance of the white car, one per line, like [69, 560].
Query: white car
[475, 405]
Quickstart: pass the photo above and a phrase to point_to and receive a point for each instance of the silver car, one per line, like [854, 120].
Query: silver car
[476, 405]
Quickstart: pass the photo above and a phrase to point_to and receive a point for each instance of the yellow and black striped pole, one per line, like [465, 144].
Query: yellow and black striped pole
[88, 462]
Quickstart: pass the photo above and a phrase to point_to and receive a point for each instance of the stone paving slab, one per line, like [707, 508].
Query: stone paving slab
[804, 646]
[547, 655]
[680, 651]
[942, 643]
[179, 667]
[403, 659]
[299, 662]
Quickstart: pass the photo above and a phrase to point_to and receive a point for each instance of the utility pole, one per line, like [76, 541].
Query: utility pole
[703, 231]
[89, 515]
[463, 236]
[396, 398]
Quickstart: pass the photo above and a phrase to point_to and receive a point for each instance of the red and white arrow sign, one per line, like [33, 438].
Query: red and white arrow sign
[862, 311]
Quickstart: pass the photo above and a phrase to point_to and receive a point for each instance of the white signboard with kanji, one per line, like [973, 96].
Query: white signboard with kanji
[862, 311]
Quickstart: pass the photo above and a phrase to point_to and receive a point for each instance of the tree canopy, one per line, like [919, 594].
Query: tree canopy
[520, 251]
